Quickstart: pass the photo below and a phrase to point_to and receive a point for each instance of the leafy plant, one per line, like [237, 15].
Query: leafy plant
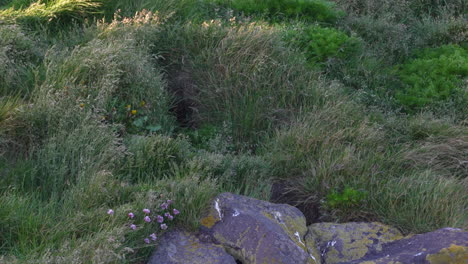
[346, 199]
[434, 76]
[322, 43]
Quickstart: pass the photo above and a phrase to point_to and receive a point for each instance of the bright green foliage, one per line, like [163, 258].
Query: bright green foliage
[201, 136]
[312, 10]
[346, 199]
[435, 75]
[322, 43]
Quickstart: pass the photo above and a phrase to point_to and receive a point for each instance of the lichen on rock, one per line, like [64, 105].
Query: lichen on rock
[443, 246]
[351, 241]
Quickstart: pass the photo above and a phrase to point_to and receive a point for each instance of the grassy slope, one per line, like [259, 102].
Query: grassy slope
[91, 112]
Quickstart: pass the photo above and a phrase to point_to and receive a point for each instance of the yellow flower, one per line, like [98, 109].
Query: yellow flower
[142, 103]
[134, 112]
[82, 105]
[128, 107]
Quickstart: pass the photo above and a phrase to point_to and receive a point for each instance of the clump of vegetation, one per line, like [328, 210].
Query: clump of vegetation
[435, 75]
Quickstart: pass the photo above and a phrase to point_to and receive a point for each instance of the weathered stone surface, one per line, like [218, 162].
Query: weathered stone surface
[351, 241]
[258, 232]
[443, 246]
[178, 247]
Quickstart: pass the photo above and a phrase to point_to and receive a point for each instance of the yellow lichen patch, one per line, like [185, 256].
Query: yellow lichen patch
[208, 221]
[355, 239]
[454, 255]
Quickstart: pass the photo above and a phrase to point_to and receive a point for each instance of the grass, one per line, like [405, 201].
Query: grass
[184, 101]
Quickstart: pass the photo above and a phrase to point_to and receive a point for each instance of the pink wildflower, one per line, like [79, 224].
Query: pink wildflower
[131, 215]
[175, 212]
[160, 219]
[147, 241]
[163, 226]
[170, 217]
[164, 206]
[146, 211]
[133, 227]
[147, 219]
[169, 202]
[110, 212]
[153, 237]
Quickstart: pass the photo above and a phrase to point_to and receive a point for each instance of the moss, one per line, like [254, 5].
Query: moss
[454, 254]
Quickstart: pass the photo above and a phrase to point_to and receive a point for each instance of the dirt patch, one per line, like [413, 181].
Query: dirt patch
[281, 193]
[182, 86]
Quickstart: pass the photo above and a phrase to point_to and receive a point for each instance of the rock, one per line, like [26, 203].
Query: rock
[258, 232]
[178, 247]
[351, 241]
[443, 246]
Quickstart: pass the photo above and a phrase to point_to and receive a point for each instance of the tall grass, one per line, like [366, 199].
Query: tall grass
[19, 55]
[60, 11]
[335, 147]
[241, 75]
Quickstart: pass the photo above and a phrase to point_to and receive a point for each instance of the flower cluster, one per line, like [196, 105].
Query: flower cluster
[162, 216]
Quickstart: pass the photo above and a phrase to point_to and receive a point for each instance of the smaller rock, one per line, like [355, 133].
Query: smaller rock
[443, 246]
[178, 247]
[350, 241]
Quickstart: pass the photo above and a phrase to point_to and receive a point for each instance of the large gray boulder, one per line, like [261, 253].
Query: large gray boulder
[258, 232]
[443, 246]
[178, 247]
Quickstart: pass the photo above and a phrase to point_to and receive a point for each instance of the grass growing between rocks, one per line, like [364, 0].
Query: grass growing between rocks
[185, 101]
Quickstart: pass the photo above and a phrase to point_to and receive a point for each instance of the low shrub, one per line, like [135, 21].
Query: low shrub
[434, 76]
